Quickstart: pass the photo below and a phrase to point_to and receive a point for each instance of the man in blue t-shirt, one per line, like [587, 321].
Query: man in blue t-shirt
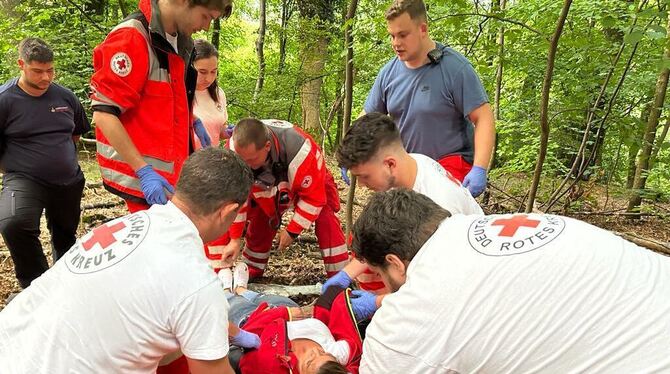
[435, 97]
[40, 122]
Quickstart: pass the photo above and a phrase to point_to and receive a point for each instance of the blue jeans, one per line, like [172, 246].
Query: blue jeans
[241, 306]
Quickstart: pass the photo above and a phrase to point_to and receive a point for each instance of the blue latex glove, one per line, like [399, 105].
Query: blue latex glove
[345, 177]
[153, 185]
[246, 339]
[475, 181]
[199, 127]
[341, 279]
[229, 130]
[364, 304]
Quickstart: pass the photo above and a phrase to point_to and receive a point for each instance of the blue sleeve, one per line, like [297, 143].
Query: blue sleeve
[467, 90]
[376, 102]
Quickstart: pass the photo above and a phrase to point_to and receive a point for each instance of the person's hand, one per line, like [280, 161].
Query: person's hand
[228, 132]
[231, 252]
[364, 304]
[345, 176]
[475, 181]
[246, 339]
[341, 279]
[153, 185]
[284, 239]
[199, 127]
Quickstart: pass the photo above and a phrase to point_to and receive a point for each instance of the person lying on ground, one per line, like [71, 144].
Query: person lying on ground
[293, 339]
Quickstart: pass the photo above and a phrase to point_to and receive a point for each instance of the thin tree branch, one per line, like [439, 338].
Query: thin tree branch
[494, 16]
[88, 17]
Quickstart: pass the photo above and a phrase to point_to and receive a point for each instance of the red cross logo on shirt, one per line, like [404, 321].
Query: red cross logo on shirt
[511, 225]
[121, 64]
[103, 235]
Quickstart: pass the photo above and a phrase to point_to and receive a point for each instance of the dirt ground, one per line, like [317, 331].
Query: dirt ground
[301, 263]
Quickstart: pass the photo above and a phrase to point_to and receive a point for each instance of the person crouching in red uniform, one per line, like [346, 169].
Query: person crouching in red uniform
[289, 170]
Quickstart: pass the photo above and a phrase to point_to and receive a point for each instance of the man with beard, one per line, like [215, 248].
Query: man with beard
[40, 121]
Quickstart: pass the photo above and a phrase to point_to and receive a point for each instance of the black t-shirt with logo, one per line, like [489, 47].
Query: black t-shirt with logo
[36, 133]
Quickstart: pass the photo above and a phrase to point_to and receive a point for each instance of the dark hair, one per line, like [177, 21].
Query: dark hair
[399, 222]
[211, 177]
[415, 8]
[365, 138]
[332, 367]
[35, 49]
[224, 6]
[250, 131]
[204, 49]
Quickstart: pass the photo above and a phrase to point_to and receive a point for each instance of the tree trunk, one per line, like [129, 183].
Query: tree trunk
[659, 143]
[499, 77]
[124, 9]
[544, 105]
[286, 12]
[260, 42]
[643, 164]
[348, 100]
[315, 16]
[634, 148]
[216, 33]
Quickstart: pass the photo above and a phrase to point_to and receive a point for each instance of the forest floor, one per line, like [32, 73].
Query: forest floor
[301, 263]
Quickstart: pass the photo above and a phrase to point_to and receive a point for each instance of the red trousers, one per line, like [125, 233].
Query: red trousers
[328, 229]
[456, 165]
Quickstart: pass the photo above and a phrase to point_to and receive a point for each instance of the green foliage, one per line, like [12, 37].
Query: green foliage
[593, 34]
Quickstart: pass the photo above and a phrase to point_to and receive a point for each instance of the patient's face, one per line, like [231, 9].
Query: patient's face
[374, 174]
[313, 359]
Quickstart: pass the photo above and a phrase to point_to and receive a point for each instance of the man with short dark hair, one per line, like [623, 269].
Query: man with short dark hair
[436, 98]
[142, 91]
[372, 150]
[137, 288]
[509, 293]
[289, 170]
[40, 121]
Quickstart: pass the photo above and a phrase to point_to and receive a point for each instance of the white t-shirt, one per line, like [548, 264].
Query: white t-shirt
[126, 294]
[541, 294]
[435, 182]
[214, 115]
[316, 331]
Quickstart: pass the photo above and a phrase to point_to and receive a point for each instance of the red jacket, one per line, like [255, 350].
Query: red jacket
[274, 355]
[139, 78]
[296, 167]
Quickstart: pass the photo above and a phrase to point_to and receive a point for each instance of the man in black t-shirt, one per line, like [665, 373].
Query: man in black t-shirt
[40, 122]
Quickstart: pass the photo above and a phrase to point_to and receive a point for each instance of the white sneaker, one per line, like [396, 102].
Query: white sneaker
[241, 275]
[226, 277]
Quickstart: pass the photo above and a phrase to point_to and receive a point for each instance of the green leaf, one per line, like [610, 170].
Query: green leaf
[608, 21]
[633, 37]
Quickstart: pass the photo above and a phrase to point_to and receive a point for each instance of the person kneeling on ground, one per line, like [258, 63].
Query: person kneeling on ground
[292, 341]
[135, 289]
[513, 293]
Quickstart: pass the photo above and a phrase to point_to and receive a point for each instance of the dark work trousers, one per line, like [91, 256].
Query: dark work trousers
[21, 204]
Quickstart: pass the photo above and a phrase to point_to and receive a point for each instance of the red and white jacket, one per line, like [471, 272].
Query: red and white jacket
[274, 356]
[141, 79]
[299, 169]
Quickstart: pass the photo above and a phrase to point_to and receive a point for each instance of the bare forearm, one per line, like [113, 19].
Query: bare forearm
[113, 129]
[354, 268]
[485, 135]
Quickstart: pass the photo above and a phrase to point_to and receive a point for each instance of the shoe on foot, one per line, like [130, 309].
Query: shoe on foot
[241, 275]
[226, 277]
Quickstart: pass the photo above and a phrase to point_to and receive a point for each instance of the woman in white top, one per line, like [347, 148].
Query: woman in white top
[210, 103]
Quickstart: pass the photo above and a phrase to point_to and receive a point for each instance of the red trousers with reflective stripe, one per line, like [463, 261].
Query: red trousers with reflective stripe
[328, 231]
[456, 165]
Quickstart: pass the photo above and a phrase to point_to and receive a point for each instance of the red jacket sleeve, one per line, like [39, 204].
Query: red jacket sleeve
[309, 188]
[121, 66]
